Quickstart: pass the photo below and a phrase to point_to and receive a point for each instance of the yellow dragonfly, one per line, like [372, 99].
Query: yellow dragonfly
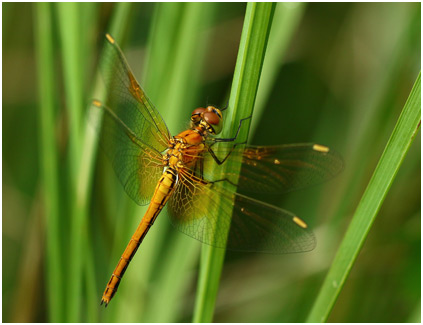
[156, 168]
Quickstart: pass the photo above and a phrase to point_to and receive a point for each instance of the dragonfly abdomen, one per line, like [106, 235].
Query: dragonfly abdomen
[164, 189]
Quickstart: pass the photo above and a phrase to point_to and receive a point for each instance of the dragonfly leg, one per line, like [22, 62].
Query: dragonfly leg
[237, 132]
[216, 159]
[223, 180]
[226, 106]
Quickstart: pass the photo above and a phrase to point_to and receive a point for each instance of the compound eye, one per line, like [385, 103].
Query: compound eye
[211, 118]
[214, 122]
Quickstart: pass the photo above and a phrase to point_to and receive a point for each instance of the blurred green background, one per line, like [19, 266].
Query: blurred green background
[339, 75]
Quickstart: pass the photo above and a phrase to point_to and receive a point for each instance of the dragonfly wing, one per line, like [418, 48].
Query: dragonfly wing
[273, 169]
[137, 165]
[205, 211]
[129, 101]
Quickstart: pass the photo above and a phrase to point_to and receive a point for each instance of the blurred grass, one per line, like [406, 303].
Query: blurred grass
[395, 151]
[49, 162]
[90, 142]
[338, 74]
[68, 15]
[284, 24]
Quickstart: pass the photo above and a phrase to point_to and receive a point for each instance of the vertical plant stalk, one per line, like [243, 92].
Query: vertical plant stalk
[395, 151]
[165, 25]
[89, 19]
[250, 58]
[89, 145]
[81, 156]
[49, 162]
[70, 35]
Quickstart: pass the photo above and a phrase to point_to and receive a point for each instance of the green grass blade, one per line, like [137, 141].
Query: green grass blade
[89, 19]
[70, 35]
[165, 26]
[49, 162]
[416, 316]
[286, 19]
[89, 144]
[395, 151]
[91, 302]
[251, 53]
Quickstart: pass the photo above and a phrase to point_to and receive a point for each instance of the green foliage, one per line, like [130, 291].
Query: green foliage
[336, 74]
[395, 151]
[49, 163]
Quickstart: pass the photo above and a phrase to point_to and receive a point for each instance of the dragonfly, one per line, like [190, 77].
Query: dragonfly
[156, 168]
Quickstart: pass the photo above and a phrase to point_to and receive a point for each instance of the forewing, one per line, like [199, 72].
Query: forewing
[272, 169]
[205, 211]
[128, 100]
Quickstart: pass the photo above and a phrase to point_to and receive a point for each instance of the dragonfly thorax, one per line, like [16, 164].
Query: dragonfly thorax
[184, 149]
[208, 119]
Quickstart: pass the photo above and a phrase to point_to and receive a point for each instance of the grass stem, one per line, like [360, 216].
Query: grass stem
[395, 151]
[255, 32]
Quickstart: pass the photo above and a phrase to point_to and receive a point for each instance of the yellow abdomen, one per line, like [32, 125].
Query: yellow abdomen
[162, 193]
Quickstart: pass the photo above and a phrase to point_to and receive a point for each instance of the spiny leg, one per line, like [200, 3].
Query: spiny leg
[237, 132]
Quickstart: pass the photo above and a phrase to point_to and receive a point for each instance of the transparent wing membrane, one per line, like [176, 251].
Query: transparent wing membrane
[133, 133]
[137, 165]
[205, 211]
[128, 100]
[134, 136]
[273, 169]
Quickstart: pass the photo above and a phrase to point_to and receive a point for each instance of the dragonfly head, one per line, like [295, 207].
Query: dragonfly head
[209, 118]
